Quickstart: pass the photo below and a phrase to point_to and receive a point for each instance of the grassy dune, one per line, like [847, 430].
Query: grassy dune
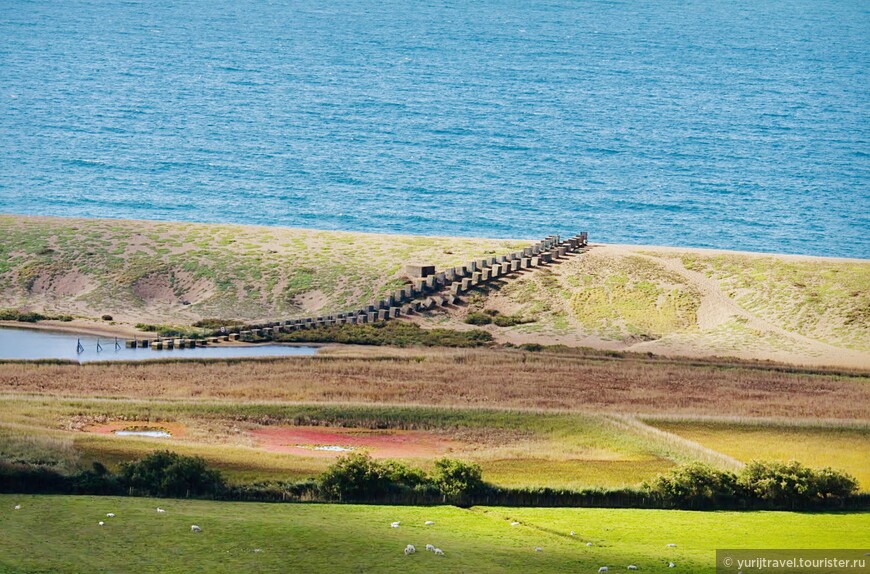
[178, 273]
[694, 303]
[60, 534]
[669, 301]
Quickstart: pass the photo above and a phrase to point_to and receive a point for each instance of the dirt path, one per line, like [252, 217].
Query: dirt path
[717, 308]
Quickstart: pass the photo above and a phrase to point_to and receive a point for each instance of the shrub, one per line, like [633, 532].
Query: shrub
[790, 484]
[106, 317]
[695, 485]
[510, 320]
[455, 478]
[397, 333]
[532, 347]
[358, 477]
[164, 473]
[476, 318]
[215, 323]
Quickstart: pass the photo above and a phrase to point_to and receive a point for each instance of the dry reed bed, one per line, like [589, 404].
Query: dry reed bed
[478, 378]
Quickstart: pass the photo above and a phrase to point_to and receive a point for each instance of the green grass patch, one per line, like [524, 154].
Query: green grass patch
[61, 534]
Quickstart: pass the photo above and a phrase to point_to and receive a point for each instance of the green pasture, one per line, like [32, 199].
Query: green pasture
[61, 534]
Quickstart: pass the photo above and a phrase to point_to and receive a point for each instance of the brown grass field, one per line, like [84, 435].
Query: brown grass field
[462, 378]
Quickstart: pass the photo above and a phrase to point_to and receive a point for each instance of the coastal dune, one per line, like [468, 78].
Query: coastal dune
[661, 300]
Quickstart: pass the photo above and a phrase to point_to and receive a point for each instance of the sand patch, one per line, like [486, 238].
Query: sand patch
[317, 441]
[70, 284]
[172, 288]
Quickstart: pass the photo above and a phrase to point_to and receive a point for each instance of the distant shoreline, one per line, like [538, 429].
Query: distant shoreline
[592, 235]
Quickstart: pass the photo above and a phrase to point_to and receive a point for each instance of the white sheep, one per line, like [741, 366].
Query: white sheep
[160, 510]
[410, 549]
[632, 567]
[671, 565]
[672, 545]
[195, 528]
[588, 544]
[572, 533]
[395, 524]
[429, 523]
[17, 507]
[603, 569]
[538, 549]
[515, 523]
[100, 522]
[111, 515]
[438, 552]
[430, 547]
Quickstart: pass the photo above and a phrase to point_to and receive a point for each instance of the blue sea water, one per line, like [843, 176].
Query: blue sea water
[730, 124]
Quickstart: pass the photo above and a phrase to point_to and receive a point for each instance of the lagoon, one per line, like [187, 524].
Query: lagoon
[32, 344]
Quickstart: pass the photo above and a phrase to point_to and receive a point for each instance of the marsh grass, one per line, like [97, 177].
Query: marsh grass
[470, 378]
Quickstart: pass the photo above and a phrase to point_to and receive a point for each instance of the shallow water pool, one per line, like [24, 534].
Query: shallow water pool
[31, 344]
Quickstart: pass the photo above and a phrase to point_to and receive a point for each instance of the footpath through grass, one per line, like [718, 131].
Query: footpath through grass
[61, 534]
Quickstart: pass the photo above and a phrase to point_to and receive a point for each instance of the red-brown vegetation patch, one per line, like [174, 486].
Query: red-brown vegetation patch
[379, 443]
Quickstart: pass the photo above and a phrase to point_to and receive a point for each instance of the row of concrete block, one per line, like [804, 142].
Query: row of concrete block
[435, 290]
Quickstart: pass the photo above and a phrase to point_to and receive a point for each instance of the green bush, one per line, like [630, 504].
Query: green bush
[455, 478]
[768, 484]
[358, 476]
[170, 331]
[476, 318]
[510, 320]
[164, 473]
[216, 323]
[695, 485]
[789, 484]
[395, 333]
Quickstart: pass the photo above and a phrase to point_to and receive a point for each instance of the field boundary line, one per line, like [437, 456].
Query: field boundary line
[691, 449]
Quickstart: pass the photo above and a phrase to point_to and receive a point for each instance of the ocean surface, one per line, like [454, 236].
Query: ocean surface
[737, 125]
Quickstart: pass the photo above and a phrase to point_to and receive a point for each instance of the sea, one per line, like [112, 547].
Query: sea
[711, 123]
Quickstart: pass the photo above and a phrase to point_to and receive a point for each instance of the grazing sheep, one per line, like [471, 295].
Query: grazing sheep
[429, 523]
[438, 552]
[160, 510]
[430, 547]
[603, 569]
[672, 545]
[195, 528]
[410, 549]
[632, 567]
[671, 565]
[572, 533]
[17, 507]
[395, 524]
[515, 523]
[538, 549]
[100, 522]
[588, 544]
[111, 515]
